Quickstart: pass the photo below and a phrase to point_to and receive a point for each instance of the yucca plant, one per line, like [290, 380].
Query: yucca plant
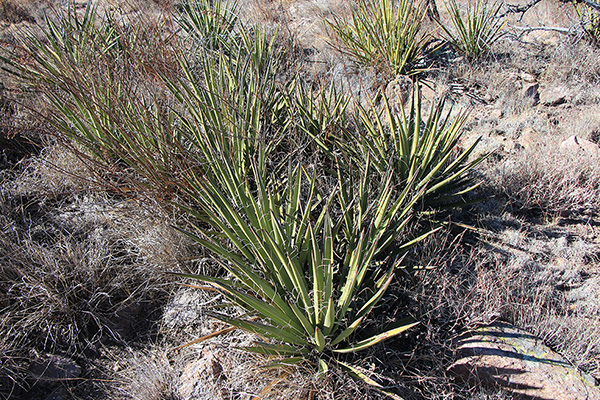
[310, 267]
[233, 104]
[424, 151]
[223, 101]
[384, 34]
[210, 23]
[307, 252]
[86, 72]
[475, 31]
[320, 115]
[590, 21]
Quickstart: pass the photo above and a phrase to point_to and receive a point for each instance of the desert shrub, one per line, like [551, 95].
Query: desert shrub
[69, 283]
[550, 182]
[383, 34]
[476, 30]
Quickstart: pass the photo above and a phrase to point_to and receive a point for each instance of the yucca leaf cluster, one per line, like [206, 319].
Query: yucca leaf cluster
[385, 34]
[475, 30]
[304, 205]
[421, 149]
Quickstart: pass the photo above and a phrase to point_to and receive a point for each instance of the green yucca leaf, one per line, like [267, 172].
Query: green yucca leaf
[285, 362]
[356, 373]
[277, 311]
[363, 344]
[319, 339]
[589, 19]
[275, 332]
[276, 349]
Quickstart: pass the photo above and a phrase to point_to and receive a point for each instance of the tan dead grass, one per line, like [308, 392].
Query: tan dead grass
[550, 181]
[531, 276]
[79, 268]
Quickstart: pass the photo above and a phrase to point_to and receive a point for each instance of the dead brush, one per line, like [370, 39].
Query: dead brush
[14, 12]
[71, 275]
[550, 182]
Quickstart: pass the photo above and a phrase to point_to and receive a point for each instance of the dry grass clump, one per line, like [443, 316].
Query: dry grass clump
[178, 367]
[75, 270]
[549, 181]
[147, 375]
[13, 12]
[574, 62]
[220, 371]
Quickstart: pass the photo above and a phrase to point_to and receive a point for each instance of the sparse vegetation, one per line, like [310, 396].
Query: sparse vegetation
[310, 283]
[329, 238]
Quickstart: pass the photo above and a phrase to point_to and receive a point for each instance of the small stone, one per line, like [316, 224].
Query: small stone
[496, 113]
[554, 96]
[511, 146]
[529, 138]
[398, 91]
[428, 93]
[501, 355]
[54, 368]
[194, 378]
[579, 146]
[527, 77]
[530, 93]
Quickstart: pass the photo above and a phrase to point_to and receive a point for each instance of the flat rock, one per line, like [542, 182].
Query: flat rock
[554, 96]
[579, 146]
[530, 93]
[527, 77]
[194, 379]
[501, 355]
[54, 368]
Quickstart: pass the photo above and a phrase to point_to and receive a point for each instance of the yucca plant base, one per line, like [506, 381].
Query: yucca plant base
[311, 279]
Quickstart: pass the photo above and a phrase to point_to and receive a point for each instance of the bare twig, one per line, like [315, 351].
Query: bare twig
[527, 29]
[519, 9]
[432, 10]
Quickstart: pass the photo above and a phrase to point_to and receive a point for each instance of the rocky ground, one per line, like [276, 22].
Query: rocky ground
[512, 307]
